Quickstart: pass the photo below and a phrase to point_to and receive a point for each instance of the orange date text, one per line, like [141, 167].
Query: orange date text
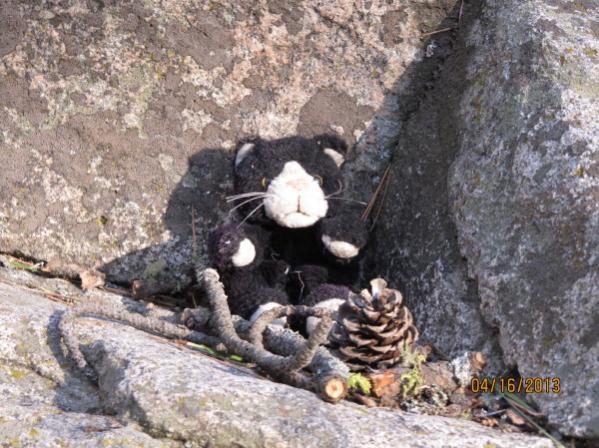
[531, 385]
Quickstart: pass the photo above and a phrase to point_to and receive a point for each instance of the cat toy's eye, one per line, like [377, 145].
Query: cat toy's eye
[264, 182]
[319, 179]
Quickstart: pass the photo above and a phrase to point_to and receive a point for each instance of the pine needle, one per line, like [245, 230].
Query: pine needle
[524, 410]
[194, 241]
[215, 354]
[23, 266]
[377, 191]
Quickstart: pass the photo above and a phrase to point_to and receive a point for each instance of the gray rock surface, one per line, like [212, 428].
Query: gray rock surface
[496, 182]
[117, 118]
[525, 195]
[179, 397]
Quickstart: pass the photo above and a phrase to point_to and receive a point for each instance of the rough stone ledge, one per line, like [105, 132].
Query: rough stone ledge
[181, 396]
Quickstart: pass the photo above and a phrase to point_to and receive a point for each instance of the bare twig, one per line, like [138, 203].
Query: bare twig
[285, 368]
[118, 313]
[245, 349]
[256, 330]
[276, 339]
[289, 354]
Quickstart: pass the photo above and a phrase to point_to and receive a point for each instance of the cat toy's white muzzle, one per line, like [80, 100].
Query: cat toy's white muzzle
[294, 198]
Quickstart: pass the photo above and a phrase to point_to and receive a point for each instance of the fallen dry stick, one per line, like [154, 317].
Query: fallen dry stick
[120, 314]
[276, 339]
[285, 368]
[285, 356]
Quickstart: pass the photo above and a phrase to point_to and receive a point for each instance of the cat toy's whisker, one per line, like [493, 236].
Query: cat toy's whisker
[247, 201]
[350, 200]
[299, 277]
[251, 213]
[245, 195]
[340, 190]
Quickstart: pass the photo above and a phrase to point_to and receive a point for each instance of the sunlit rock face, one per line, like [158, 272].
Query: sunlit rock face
[117, 118]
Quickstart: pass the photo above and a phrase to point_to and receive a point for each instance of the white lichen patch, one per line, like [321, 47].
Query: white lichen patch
[229, 92]
[18, 119]
[195, 119]
[166, 162]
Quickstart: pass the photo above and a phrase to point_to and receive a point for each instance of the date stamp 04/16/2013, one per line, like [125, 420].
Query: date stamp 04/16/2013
[531, 385]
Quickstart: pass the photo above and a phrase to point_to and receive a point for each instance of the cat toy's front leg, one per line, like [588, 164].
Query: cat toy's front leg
[343, 236]
[237, 252]
[232, 246]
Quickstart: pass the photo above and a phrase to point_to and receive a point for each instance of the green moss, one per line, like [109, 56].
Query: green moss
[411, 380]
[411, 357]
[579, 171]
[590, 52]
[359, 382]
[101, 220]
[17, 374]
[33, 432]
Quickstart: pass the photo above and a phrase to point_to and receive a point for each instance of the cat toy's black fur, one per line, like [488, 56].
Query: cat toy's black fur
[296, 243]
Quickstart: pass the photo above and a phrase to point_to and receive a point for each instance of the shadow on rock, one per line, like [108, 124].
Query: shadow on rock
[414, 244]
[194, 208]
[75, 393]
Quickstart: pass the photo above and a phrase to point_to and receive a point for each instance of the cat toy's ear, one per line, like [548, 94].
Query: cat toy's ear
[333, 147]
[243, 149]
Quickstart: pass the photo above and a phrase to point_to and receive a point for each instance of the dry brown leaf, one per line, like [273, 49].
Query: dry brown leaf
[477, 361]
[489, 421]
[91, 279]
[514, 417]
[441, 374]
[58, 268]
[138, 291]
[381, 382]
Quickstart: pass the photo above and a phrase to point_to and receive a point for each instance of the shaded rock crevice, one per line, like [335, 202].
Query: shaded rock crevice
[415, 243]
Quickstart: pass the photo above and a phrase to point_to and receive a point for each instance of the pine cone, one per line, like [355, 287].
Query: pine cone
[373, 328]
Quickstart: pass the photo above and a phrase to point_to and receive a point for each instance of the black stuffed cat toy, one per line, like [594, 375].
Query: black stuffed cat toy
[296, 243]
